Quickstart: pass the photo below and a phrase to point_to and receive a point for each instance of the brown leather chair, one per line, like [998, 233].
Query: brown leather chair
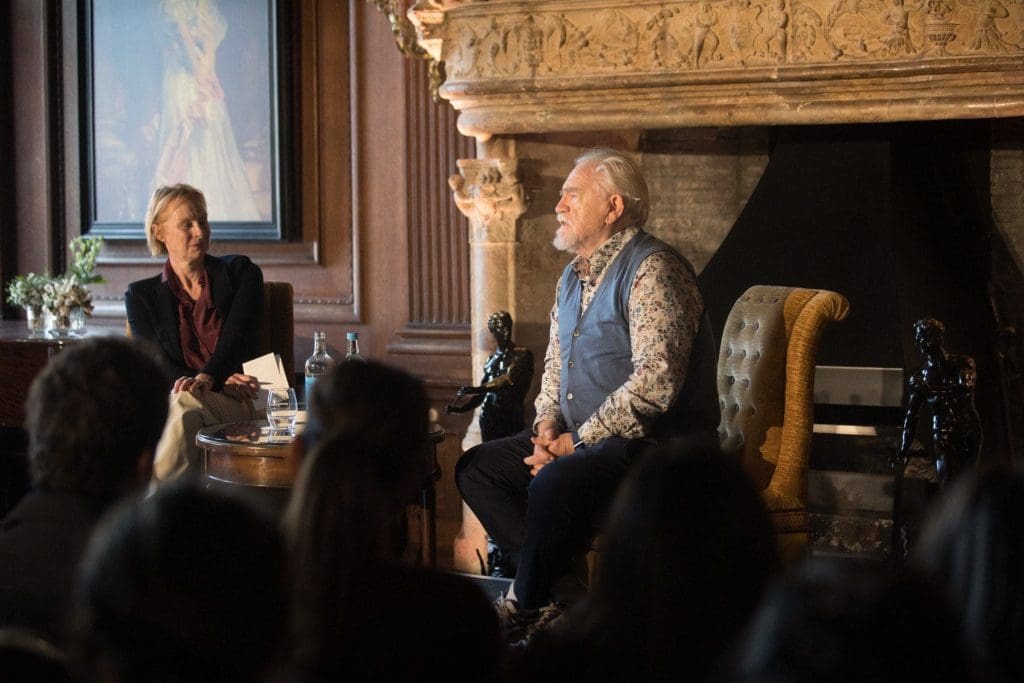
[277, 332]
[766, 368]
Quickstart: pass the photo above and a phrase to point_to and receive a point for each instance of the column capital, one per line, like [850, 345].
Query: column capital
[488, 192]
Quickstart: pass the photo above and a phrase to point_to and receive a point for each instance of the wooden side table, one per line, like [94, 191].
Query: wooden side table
[248, 454]
[22, 357]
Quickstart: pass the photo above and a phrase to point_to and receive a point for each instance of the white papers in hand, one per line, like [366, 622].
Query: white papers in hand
[271, 374]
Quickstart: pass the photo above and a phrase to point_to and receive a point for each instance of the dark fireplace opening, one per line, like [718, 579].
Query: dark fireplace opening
[897, 218]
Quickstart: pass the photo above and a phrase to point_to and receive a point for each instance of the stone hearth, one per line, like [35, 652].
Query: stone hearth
[696, 91]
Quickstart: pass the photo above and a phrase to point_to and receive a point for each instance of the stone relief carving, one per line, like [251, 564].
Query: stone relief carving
[639, 37]
[488, 192]
[987, 35]
[406, 41]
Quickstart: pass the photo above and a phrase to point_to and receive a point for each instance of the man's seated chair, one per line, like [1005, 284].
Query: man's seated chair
[766, 368]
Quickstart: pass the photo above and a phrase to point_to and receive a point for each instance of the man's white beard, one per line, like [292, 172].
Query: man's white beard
[564, 239]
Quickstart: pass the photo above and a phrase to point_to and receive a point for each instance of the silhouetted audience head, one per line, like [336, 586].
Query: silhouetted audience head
[94, 416]
[844, 620]
[972, 544]
[359, 612]
[187, 584]
[92, 412]
[375, 400]
[367, 428]
[685, 558]
[27, 656]
[345, 503]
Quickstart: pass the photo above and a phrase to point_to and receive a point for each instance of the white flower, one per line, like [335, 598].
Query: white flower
[27, 291]
[65, 293]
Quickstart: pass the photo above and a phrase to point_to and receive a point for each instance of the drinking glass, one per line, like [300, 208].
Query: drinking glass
[282, 409]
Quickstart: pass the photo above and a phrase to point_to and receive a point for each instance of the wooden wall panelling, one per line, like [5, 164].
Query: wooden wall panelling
[327, 290]
[438, 319]
[431, 335]
[7, 261]
[435, 340]
[32, 238]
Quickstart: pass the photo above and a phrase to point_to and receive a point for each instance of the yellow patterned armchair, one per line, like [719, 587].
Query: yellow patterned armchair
[766, 395]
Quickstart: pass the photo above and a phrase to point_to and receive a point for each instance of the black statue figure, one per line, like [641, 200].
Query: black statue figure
[946, 383]
[507, 375]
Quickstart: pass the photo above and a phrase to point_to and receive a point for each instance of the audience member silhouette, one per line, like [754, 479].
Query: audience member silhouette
[188, 585]
[360, 610]
[848, 621]
[94, 416]
[685, 559]
[26, 656]
[972, 543]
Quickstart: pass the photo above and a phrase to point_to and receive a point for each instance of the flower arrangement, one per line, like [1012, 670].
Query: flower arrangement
[27, 291]
[63, 295]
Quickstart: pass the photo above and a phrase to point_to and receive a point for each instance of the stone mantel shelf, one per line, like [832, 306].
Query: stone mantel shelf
[534, 67]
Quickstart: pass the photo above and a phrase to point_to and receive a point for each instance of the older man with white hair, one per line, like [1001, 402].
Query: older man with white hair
[630, 359]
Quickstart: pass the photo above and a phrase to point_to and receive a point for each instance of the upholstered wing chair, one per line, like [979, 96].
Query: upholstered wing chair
[766, 394]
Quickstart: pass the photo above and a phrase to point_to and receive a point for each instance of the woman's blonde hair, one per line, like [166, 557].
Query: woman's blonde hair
[163, 198]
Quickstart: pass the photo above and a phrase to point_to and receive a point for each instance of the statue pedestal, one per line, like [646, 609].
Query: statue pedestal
[470, 544]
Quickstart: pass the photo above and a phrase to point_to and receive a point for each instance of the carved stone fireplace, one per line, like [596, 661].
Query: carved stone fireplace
[702, 91]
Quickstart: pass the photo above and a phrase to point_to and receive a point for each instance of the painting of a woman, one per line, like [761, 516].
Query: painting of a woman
[196, 141]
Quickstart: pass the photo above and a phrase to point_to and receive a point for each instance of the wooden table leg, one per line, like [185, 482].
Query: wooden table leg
[428, 522]
[428, 512]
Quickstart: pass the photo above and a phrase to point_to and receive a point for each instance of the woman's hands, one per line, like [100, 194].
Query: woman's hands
[238, 386]
[241, 387]
[194, 385]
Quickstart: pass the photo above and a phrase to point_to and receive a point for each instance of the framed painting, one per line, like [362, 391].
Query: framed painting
[182, 91]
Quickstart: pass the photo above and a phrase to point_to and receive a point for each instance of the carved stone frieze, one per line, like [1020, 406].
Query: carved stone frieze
[802, 51]
[722, 34]
[488, 192]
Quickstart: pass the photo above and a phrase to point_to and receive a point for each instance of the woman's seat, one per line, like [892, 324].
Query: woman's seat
[277, 332]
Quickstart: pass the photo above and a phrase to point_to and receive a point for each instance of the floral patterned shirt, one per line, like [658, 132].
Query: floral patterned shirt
[665, 312]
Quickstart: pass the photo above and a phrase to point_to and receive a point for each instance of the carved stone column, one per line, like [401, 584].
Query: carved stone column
[488, 192]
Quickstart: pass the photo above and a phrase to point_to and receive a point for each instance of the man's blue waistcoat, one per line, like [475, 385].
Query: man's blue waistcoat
[596, 351]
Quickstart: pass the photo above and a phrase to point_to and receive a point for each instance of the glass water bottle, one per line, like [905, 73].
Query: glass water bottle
[318, 364]
[352, 346]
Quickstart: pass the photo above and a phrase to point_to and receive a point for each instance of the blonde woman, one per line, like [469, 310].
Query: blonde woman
[203, 313]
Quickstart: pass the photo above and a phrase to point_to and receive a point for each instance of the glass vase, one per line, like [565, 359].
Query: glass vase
[77, 327]
[35, 320]
[59, 324]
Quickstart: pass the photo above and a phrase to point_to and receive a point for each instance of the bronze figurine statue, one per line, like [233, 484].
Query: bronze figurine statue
[946, 383]
[506, 379]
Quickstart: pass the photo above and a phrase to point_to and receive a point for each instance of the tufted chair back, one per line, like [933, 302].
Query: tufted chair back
[766, 395]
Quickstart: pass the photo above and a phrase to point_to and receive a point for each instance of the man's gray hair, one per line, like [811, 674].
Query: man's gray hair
[621, 174]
